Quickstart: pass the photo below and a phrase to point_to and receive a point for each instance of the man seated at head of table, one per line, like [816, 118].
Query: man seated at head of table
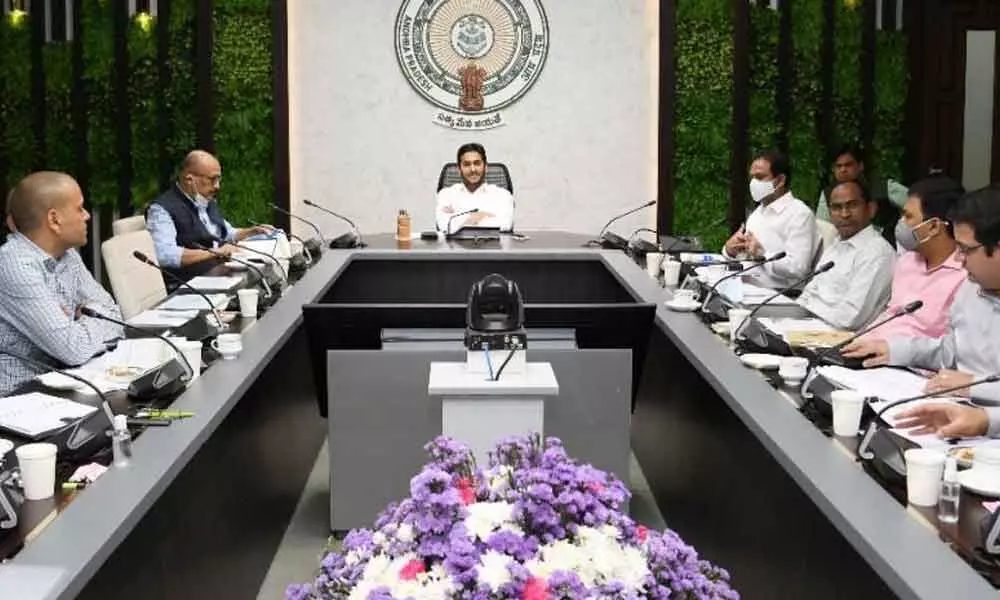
[857, 288]
[971, 347]
[187, 216]
[493, 204]
[930, 268]
[781, 222]
[45, 282]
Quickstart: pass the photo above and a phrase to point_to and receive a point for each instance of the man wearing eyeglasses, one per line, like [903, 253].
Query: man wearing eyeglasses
[857, 287]
[187, 216]
[971, 347]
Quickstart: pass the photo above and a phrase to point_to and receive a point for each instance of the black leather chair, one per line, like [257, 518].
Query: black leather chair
[496, 174]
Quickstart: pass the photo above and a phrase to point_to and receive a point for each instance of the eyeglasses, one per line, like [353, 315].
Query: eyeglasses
[210, 178]
[966, 250]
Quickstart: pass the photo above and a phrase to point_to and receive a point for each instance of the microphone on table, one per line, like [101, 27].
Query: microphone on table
[866, 440]
[164, 379]
[306, 254]
[610, 240]
[823, 268]
[351, 239]
[267, 287]
[831, 354]
[314, 246]
[73, 442]
[180, 281]
[277, 263]
[711, 290]
[688, 239]
[447, 231]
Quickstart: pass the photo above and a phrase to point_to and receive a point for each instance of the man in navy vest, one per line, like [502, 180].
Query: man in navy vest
[187, 216]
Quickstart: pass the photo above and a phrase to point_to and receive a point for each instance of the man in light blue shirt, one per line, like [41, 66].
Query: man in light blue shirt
[45, 282]
[971, 348]
[186, 217]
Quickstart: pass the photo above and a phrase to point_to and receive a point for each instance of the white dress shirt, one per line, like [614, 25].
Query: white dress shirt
[487, 198]
[858, 286]
[785, 224]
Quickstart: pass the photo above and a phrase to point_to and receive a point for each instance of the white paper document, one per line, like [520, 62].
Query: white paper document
[192, 302]
[36, 413]
[206, 283]
[927, 440]
[163, 318]
[784, 326]
[113, 370]
[886, 383]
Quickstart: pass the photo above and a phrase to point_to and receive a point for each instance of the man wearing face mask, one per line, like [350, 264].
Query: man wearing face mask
[187, 216]
[781, 222]
[971, 347]
[857, 287]
[930, 268]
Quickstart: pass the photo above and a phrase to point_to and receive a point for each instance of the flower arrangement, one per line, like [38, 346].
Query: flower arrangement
[532, 525]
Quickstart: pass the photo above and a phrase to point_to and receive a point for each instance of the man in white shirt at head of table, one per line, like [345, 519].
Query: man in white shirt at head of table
[781, 222]
[857, 288]
[493, 205]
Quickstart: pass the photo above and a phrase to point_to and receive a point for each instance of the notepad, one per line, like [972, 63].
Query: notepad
[164, 318]
[884, 382]
[193, 302]
[207, 283]
[34, 414]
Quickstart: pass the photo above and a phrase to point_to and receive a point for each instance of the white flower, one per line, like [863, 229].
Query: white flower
[493, 569]
[371, 578]
[405, 533]
[378, 538]
[499, 479]
[486, 517]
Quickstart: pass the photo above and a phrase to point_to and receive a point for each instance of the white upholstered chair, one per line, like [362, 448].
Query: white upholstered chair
[136, 286]
[133, 223]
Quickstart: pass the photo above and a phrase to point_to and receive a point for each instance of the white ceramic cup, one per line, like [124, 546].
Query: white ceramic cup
[192, 352]
[793, 368]
[671, 272]
[248, 302]
[653, 262]
[684, 296]
[924, 467]
[736, 318]
[38, 470]
[847, 408]
[229, 345]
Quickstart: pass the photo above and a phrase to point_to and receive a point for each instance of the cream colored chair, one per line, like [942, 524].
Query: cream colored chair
[827, 237]
[133, 223]
[136, 286]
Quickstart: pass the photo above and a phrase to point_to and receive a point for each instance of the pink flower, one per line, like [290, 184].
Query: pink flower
[596, 487]
[465, 491]
[642, 533]
[535, 589]
[412, 569]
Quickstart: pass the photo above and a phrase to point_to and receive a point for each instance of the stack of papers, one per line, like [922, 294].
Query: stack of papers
[885, 383]
[193, 302]
[754, 295]
[784, 326]
[114, 370]
[213, 282]
[166, 319]
[33, 414]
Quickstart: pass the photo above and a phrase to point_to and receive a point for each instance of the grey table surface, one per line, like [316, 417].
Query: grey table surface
[902, 550]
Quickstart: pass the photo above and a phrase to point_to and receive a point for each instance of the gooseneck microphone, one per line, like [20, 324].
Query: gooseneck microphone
[823, 268]
[689, 239]
[46, 368]
[351, 239]
[180, 281]
[306, 253]
[908, 309]
[610, 240]
[314, 246]
[189, 372]
[271, 257]
[711, 290]
[267, 288]
[866, 440]
[447, 230]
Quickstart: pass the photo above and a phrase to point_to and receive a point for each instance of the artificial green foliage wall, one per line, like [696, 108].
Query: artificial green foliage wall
[846, 76]
[98, 37]
[763, 78]
[891, 85]
[242, 69]
[704, 47]
[143, 108]
[805, 149]
[15, 96]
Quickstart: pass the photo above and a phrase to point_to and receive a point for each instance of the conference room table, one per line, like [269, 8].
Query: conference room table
[733, 465]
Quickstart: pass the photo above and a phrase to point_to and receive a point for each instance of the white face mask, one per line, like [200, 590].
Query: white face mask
[200, 200]
[760, 189]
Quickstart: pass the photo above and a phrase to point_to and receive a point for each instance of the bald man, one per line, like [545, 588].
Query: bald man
[187, 216]
[45, 282]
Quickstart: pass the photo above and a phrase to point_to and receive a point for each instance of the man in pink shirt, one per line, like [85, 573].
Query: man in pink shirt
[930, 269]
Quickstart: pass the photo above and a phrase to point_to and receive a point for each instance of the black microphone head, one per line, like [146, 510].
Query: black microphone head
[307, 202]
[474, 210]
[650, 203]
[823, 268]
[89, 312]
[139, 255]
[913, 307]
[779, 256]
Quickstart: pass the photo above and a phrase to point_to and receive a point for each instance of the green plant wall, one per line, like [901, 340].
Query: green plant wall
[15, 96]
[704, 48]
[805, 149]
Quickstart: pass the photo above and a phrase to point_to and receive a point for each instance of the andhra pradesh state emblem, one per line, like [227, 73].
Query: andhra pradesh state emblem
[471, 58]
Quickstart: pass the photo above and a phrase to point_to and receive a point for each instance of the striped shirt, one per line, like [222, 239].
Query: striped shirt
[39, 297]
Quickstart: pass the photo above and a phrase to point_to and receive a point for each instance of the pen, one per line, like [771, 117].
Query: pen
[74, 485]
[149, 422]
[165, 414]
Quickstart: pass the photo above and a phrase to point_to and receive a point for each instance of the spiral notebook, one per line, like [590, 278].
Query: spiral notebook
[34, 414]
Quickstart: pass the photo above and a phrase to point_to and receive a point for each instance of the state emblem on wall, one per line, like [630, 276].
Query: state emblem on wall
[471, 58]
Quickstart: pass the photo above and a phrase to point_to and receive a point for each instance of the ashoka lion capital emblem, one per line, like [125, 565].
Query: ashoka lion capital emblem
[472, 56]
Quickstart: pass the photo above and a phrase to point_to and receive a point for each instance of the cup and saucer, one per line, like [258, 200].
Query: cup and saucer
[792, 370]
[683, 301]
[984, 476]
[228, 345]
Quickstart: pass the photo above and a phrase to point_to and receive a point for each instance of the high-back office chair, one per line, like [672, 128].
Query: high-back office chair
[827, 238]
[496, 174]
[136, 286]
[133, 223]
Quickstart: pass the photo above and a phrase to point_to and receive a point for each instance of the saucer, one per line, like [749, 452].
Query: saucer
[682, 305]
[763, 362]
[976, 480]
[721, 328]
